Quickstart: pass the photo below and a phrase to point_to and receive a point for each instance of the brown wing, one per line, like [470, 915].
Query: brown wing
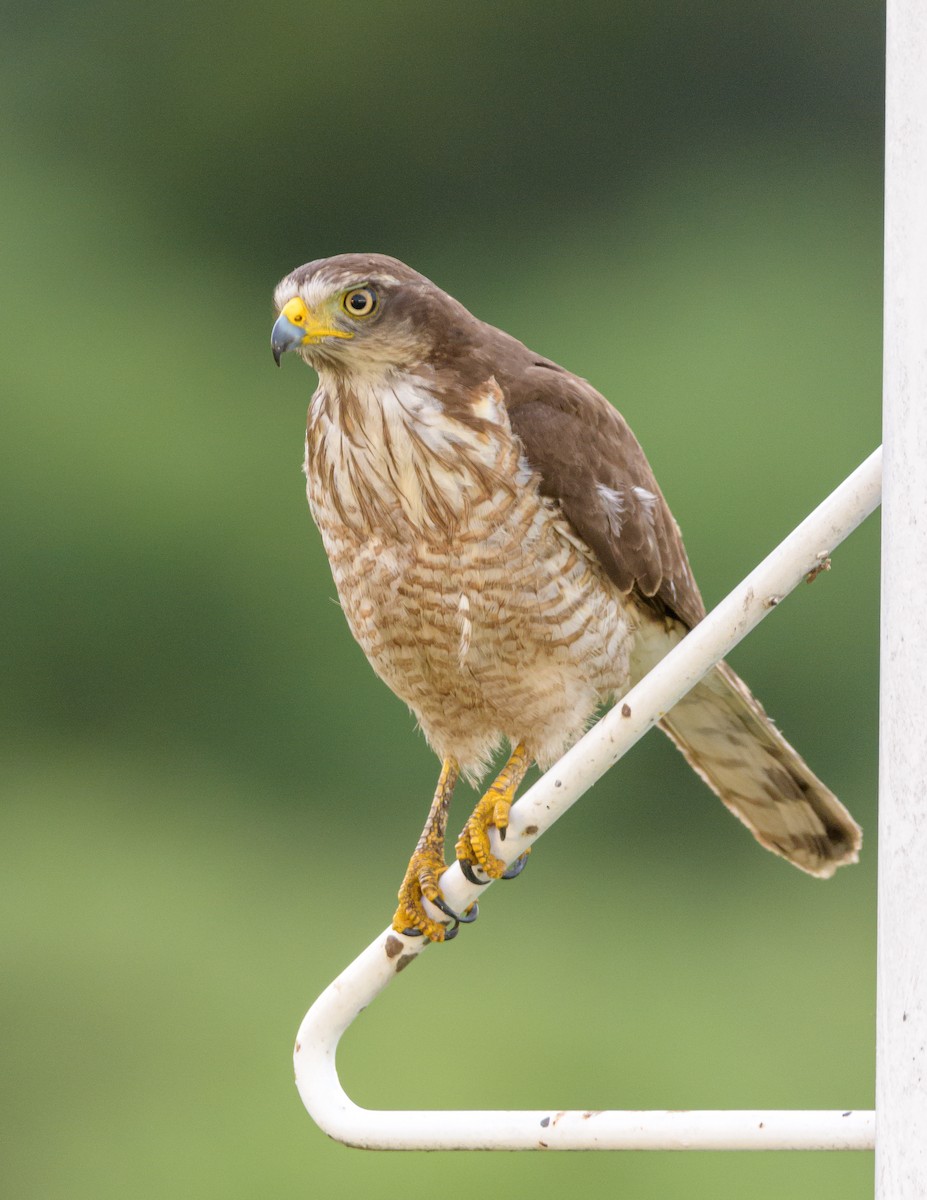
[591, 463]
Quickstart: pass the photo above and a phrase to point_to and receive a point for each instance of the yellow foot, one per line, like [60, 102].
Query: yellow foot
[421, 880]
[493, 810]
[425, 869]
[473, 843]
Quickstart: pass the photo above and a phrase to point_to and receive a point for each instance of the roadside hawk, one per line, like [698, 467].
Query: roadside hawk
[507, 561]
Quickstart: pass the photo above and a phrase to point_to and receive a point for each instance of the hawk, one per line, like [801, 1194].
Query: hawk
[507, 562]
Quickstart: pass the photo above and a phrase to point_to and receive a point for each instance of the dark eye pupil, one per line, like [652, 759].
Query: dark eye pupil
[359, 301]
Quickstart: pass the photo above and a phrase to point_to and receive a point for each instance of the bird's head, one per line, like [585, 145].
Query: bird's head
[364, 314]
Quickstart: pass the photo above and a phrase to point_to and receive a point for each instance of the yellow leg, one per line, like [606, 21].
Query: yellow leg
[427, 863]
[493, 809]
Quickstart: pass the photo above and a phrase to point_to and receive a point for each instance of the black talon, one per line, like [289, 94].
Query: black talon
[466, 868]
[501, 832]
[466, 918]
[446, 908]
[517, 867]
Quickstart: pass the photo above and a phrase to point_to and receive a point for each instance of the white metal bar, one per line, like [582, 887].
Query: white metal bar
[314, 1057]
[901, 1025]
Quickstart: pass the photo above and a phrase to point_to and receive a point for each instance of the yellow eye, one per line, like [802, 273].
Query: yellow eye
[359, 302]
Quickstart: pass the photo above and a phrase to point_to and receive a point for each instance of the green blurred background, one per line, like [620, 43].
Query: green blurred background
[209, 799]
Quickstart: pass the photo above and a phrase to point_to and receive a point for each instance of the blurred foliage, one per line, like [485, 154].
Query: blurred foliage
[208, 798]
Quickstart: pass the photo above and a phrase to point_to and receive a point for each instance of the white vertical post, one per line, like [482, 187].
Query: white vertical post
[901, 1068]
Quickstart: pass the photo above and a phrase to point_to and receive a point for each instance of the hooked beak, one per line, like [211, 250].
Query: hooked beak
[297, 326]
[285, 336]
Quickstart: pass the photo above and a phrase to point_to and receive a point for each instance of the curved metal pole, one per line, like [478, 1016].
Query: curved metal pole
[801, 555]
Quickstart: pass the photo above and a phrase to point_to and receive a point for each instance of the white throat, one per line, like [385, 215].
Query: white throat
[392, 454]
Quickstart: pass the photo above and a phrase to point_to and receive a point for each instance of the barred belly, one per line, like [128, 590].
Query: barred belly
[511, 632]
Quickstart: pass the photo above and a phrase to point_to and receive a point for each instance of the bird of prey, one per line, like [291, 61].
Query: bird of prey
[507, 562]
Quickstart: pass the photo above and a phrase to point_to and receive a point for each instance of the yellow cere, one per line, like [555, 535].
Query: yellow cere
[295, 311]
[299, 315]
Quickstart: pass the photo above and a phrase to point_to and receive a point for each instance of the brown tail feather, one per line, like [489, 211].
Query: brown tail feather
[728, 739]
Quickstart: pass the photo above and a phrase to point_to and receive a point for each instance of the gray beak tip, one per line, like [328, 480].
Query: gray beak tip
[284, 336]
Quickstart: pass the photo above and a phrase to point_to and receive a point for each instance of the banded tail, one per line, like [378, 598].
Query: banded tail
[728, 739]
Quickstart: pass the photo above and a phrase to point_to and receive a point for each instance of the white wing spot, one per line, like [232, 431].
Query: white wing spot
[647, 500]
[613, 505]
